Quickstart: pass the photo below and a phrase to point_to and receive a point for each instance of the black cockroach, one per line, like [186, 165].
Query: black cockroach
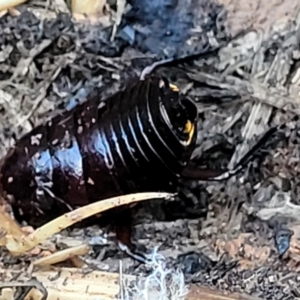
[141, 140]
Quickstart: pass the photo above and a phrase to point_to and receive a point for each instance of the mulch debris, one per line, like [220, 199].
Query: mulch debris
[241, 235]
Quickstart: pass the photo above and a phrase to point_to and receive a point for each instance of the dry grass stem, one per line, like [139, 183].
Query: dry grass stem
[18, 244]
[62, 255]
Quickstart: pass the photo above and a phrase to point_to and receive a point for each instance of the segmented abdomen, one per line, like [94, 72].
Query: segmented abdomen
[135, 142]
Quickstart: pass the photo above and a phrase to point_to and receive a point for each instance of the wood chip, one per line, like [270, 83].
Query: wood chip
[68, 283]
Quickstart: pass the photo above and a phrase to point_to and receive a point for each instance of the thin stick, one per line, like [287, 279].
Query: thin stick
[69, 283]
[24, 243]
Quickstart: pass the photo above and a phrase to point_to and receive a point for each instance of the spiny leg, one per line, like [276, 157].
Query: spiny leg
[190, 172]
[123, 228]
[149, 69]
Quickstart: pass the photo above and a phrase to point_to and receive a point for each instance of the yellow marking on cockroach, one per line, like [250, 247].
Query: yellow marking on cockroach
[188, 126]
[191, 134]
[174, 87]
[190, 129]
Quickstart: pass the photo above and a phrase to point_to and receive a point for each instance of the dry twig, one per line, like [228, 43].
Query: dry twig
[17, 242]
[66, 283]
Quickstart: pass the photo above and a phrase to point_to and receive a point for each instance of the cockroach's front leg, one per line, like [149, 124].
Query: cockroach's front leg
[123, 228]
[193, 173]
[149, 69]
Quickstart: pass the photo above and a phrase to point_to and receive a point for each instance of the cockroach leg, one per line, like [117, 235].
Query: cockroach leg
[193, 173]
[204, 54]
[138, 256]
[123, 228]
[149, 69]
[273, 131]
[190, 172]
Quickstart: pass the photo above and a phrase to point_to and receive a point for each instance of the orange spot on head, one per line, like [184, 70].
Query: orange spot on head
[190, 129]
[174, 87]
[188, 126]
[191, 134]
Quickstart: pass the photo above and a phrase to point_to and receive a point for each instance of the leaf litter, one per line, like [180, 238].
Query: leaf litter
[226, 230]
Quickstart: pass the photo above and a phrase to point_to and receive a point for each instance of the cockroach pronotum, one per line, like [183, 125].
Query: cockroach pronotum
[140, 140]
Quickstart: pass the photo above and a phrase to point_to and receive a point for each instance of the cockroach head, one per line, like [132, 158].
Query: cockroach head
[180, 114]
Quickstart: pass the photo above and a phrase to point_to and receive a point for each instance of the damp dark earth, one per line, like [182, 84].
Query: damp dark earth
[241, 234]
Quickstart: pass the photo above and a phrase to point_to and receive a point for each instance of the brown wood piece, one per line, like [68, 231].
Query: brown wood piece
[72, 283]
